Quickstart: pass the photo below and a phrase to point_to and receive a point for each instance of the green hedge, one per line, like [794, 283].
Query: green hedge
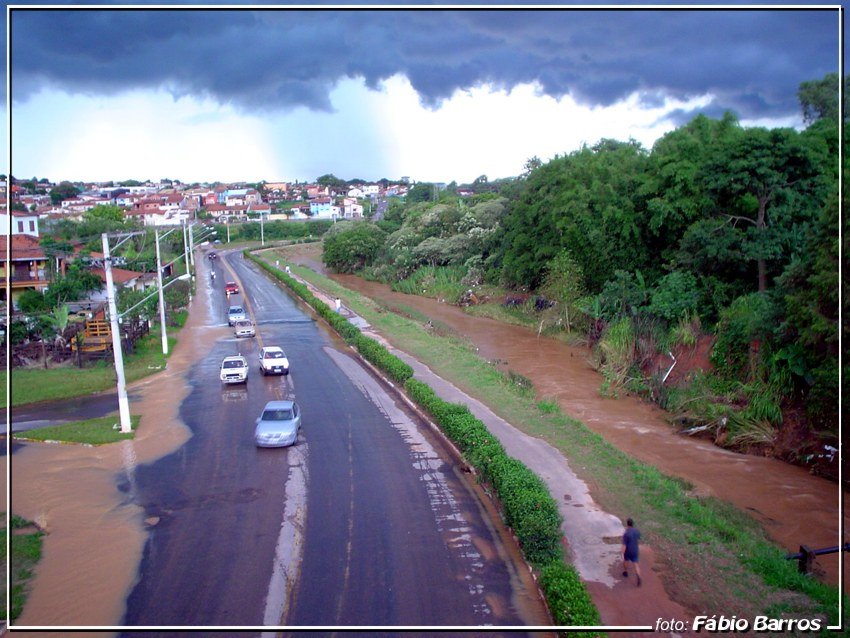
[527, 506]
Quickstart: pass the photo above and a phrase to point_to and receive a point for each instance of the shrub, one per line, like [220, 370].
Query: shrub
[742, 328]
[617, 350]
[568, 599]
[676, 294]
[377, 354]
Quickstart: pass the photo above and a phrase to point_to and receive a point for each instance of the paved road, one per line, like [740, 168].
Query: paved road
[366, 522]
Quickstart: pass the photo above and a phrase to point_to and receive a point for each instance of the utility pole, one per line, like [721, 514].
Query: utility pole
[161, 295]
[186, 249]
[191, 247]
[123, 402]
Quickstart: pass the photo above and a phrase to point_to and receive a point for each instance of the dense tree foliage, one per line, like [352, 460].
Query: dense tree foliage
[350, 246]
[332, 181]
[587, 202]
[63, 191]
[731, 228]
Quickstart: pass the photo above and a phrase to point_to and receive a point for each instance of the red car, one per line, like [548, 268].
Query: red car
[231, 288]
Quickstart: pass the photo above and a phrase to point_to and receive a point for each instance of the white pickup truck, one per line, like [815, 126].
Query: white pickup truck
[234, 370]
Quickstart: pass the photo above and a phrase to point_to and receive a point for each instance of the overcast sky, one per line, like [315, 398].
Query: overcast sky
[436, 95]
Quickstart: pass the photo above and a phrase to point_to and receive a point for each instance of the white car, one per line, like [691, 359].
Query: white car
[244, 329]
[234, 370]
[273, 361]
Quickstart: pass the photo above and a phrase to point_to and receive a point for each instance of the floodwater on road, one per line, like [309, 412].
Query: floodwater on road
[95, 535]
[794, 506]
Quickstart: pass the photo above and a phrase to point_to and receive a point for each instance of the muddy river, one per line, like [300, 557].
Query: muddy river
[794, 506]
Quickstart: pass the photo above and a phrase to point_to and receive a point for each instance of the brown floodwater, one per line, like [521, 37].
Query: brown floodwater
[94, 535]
[794, 506]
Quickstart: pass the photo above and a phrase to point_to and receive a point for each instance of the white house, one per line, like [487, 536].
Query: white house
[19, 223]
[351, 209]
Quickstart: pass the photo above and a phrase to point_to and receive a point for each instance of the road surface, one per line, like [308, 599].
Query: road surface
[367, 521]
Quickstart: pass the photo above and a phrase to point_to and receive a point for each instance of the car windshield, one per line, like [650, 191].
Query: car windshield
[236, 310]
[233, 363]
[274, 355]
[277, 415]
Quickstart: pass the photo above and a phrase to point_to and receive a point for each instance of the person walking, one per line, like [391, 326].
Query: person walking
[338, 304]
[630, 549]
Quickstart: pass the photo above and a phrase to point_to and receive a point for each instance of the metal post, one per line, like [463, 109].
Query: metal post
[262, 235]
[161, 295]
[227, 226]
[123, 402]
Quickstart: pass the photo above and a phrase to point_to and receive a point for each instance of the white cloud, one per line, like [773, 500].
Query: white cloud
[138, 135]
[371, 134]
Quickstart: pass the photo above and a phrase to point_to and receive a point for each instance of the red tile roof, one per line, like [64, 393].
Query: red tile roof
[23, 247]
[119, 275]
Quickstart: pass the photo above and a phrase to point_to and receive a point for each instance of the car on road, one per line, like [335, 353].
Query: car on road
[273, 360]
[234, 369]
[213, 255]
[244, 329]
[231, 288]
[234, 314]
[278, 425]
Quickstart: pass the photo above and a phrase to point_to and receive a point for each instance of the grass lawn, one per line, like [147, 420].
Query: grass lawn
[30, 385]
[99, 431]
[26, 552]
[740, 571]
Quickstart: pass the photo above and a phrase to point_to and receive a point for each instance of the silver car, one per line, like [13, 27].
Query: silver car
[244, 329]
[236, 313]
[278, 425]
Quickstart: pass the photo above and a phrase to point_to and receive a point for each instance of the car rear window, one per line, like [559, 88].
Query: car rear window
[233, 364]
[277, 415]
[234, 310]
[274, 355]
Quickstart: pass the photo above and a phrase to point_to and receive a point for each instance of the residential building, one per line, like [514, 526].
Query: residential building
[27, 268]
[321, 207]
[19, 223]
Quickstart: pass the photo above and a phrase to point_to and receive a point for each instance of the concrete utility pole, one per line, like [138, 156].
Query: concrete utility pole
[186, 249]
[123, 401]
[161, 295]
[191, 247]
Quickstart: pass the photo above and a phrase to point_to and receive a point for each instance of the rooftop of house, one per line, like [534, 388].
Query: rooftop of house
[23, 247]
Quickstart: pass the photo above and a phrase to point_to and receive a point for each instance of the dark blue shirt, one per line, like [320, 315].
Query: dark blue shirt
[630, 540]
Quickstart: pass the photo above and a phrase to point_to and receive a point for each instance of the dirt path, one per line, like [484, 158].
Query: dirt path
[95, 535]
[794, 506]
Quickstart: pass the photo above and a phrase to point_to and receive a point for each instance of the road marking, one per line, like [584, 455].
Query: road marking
[286, 567]
[451, 522]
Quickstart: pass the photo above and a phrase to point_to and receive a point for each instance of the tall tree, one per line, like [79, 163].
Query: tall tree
[761, 171]
[588, 202]
[63, 191]
[819, 99]
[564, 284]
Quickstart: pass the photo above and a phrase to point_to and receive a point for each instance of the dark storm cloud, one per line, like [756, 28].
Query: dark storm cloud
[753, 61]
